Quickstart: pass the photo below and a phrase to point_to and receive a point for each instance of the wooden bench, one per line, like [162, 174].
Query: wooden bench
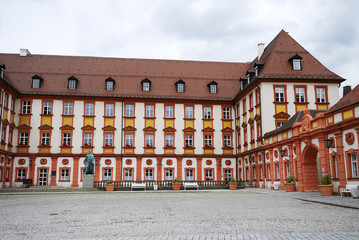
[348, 188]
[190, 185]
[138, 185]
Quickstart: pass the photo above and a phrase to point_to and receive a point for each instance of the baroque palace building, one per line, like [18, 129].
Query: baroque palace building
[160, 119]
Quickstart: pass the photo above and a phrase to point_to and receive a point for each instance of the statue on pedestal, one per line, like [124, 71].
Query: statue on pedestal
[89, 163]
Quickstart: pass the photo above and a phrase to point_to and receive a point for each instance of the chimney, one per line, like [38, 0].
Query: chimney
[260, 50]
[24, 52]
[346, 90]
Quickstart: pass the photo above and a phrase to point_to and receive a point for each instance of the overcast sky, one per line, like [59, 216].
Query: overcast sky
[209, 30]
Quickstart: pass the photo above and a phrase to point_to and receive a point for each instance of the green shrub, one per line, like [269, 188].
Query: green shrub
[327, 179]
[109, 181]
[176, 180]
[291, 179]
[232, 180]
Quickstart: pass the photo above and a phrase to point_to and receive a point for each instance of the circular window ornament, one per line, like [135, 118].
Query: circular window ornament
[228, 162]
[149, 162]
[349, 138]
[189, 162]
[209, 162]
[43, 161]
[65, 161]
[169, 162]
[21, 161]
[128, 161]
[108, 161]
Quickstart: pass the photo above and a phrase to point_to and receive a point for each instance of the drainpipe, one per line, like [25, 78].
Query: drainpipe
[262, 140]
[235, 138]
[121, 145]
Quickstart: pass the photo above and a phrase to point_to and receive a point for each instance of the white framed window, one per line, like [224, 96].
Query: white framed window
[148, 174]
[24, 138]
[26, 107]
[108, 139]
[227, 174]
[169, 174]
[47, 108]
[169, 140]
[12, 104]
[251, 101]
[21, 173]
[226, 113]
[207, 112]
[169, 111]
[146, 86]
[287, 169]
[279, 94]
[209, 174]
[280, 124]
[149, 140]
[129, 140]
[129, 110]
[297, 65]
[354, 165]
[213, 88]
[107, 174]
[189, 112]
[189, 174]
[66, 139]
[254, 173]
[3, 134]
[6, 98]
[88, 139]
[227, 140]
[208, 140]
[258, 96]
[36, 83]
[299, 94]
[68, 108]
[109, 85]
[89, 109]
[9, 139]
[180, 87]
[321, 95]
[277, 171]
[149, 111]
[128, 174]
[109, 110]
[261, 171]
[268, 173]
[65, 174]
[45, 139]
[72, 84]
[189, 140]
[335, 167]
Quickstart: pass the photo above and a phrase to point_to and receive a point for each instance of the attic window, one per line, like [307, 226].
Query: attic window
[110, 84]
[146, 85]
[257, 69]
[180, 85]
[72, 83]
[213, 87]
[36, 81]
[296, 63]
[2, 71]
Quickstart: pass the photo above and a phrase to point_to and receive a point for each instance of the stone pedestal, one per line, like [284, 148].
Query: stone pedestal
[88, 181]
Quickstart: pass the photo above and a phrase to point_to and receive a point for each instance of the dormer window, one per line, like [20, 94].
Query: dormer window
[72, 83]
[257, 69]
[296, 63]
[110, 84]
[146, 85]
[36, 81]
[180, 86]
[2, 71]
[213, 87]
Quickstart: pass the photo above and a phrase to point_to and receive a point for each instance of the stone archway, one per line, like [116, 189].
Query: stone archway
[311, 170]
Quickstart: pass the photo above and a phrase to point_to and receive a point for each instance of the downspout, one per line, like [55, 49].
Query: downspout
[122, 115]
[262, 140]
[235, 139]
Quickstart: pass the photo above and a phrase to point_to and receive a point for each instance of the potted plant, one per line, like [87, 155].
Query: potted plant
[110, 186]
[290, 184]
[176, 184]
[326, 186]
[232, 184]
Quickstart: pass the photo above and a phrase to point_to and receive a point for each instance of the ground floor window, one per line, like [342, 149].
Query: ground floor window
[261, 171]
[65, 174]
[148, 174]
[277, 171]
[287, 169]
[107, 174]
[354, 165]
[169, 174]
[254, 173]
[334, 167]
[268, 173]
[128, 174]
[21, 173]
[227, 174]
[209, 174]
[189, 174]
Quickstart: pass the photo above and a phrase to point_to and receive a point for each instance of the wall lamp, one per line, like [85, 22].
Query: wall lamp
[329, 144]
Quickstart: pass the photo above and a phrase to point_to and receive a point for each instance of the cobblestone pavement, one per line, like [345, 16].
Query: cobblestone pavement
[220, 214]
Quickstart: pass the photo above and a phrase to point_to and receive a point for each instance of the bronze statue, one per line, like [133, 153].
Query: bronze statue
[89, 163]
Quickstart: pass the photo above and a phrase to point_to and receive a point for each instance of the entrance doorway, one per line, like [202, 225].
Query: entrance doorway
[311, 170]
[42, 177]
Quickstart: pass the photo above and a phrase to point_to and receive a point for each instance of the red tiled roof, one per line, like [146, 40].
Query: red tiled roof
[350, 99]
[127, 73]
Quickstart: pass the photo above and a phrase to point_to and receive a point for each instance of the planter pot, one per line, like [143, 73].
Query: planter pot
[176, 186]
[326, 190]
[110, 187]
[232, 185]
[289, 187]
